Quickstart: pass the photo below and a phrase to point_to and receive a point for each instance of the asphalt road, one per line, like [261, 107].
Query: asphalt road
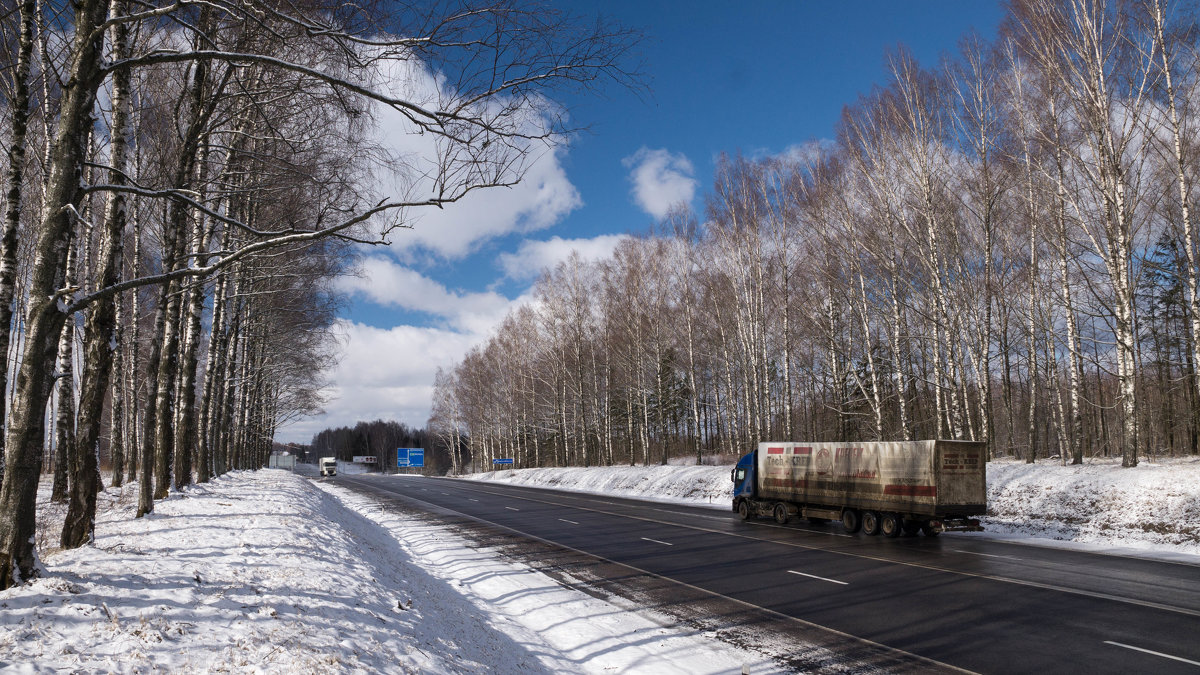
[978, 605]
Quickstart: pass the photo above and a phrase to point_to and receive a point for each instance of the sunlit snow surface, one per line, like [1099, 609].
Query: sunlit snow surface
[265, 572]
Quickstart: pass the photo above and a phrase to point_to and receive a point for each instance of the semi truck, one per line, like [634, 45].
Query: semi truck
[328, 466]
[888, 488]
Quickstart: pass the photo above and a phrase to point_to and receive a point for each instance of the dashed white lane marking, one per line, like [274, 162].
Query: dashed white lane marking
[511, 508]
[568, 521]
[813, 576]
[987, 555]
[664, 543]
[1148, 651]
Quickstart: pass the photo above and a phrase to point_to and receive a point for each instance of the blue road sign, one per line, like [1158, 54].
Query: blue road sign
[506, 460]
[410, 457]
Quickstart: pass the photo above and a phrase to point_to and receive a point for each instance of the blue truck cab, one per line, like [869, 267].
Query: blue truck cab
[743, 481]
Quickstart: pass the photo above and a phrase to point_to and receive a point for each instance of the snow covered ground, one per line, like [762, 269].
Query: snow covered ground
[1153, 508]
[270, 572]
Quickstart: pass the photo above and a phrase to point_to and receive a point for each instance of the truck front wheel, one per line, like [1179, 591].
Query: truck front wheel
[850, 520]
[744, 510]
[870, 523]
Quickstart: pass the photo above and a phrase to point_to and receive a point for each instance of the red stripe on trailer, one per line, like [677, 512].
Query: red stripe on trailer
[774, 451]
[911, 490]
[802, 451]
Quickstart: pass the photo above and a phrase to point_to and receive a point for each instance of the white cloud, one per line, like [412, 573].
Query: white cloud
[543, 196]
[534, 256]
[387, 373]
[384, 373]
[809, 152]
[389, 284]
[660, 180]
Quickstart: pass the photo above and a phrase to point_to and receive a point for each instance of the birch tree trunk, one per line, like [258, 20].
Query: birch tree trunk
[1191, 274]
[1031, 328]
[45, 318]
[116, 417]
[214, 364]
[64, 412]
[132, 380]
[19, 106]
[876, 401]
[186, 441]
[1075, 436]
[100, 338]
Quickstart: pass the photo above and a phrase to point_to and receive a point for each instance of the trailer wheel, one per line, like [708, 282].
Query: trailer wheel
[870, 522]
[850, 521]
[929, 529]
[781, 513]
[911, 527]
[889, 524]
[744, 510]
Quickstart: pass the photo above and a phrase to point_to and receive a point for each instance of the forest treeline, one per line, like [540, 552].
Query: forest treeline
[379, 439]
[183, 180]
[1001, 247]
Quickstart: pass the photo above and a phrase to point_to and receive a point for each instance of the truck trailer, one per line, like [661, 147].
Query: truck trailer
[328, 466]
[883, 487]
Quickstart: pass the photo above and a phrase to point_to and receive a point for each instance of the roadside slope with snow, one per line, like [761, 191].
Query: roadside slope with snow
[1152, 507]
[265, 572]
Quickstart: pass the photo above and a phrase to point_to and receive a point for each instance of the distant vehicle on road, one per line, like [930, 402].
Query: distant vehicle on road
[328, 466]
[889, 488]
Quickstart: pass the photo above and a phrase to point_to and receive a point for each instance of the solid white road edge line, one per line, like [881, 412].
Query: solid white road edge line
[1147, 651]
[813, 576]
[657, 541]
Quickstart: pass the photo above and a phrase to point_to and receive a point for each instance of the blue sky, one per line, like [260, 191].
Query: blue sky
[750, 77]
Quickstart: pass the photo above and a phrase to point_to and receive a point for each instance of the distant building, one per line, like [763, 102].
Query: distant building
[283, 460]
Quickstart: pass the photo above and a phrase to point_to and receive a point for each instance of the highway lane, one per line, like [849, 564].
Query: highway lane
[980, 605]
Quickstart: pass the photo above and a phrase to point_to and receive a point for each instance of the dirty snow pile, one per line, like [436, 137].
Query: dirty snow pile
[1154, 506]
[265, 572]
